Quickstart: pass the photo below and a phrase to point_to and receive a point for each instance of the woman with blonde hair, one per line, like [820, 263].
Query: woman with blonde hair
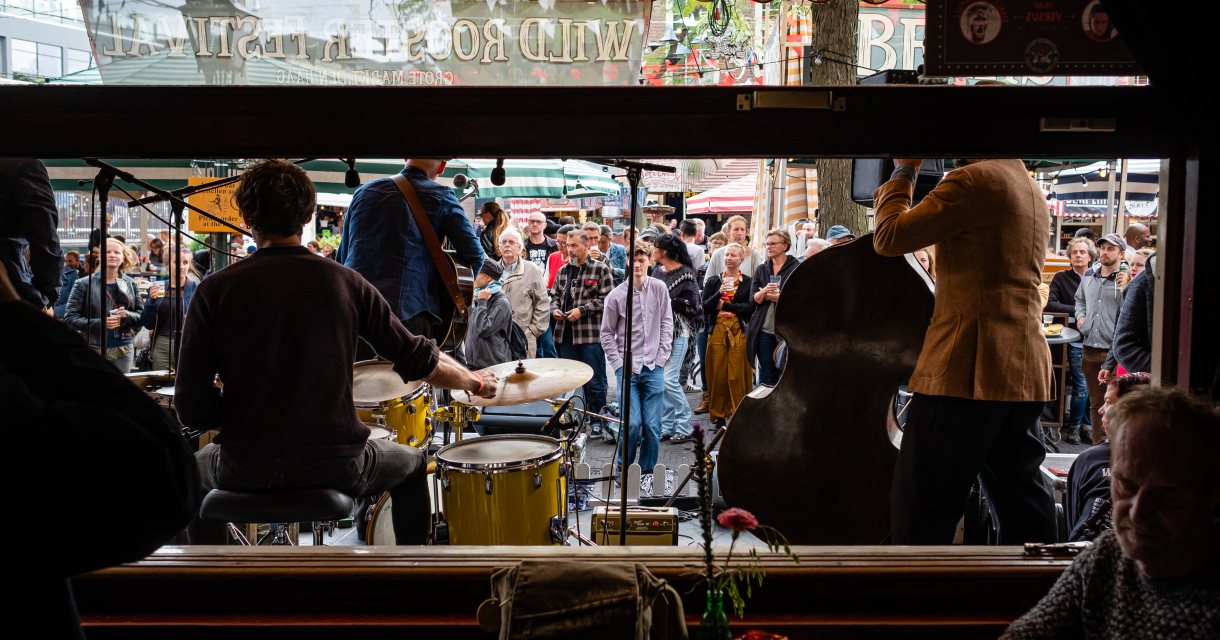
[727, 309]
[119, 297]
[495, 222]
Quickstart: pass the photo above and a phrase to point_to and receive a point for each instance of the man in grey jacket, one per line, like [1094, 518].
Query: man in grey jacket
[1098, 300]
[487, 340]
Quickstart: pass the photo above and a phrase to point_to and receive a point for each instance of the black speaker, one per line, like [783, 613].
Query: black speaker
[869, 173]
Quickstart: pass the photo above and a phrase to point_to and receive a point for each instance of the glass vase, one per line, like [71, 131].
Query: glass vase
[714, 625]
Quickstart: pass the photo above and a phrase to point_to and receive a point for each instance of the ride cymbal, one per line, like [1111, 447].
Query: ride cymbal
[539, 379]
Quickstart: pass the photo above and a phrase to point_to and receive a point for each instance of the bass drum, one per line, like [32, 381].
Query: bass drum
[380, 529]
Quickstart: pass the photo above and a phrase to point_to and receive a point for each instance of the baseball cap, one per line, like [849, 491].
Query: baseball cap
[839, 231]
[1114, 239]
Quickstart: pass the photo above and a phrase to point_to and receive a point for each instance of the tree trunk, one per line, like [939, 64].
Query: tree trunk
[834, 35]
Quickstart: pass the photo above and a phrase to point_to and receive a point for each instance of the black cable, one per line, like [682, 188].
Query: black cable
[174, 226]
[820, 52]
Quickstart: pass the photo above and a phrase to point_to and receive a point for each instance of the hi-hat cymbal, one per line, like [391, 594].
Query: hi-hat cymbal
[542, 378]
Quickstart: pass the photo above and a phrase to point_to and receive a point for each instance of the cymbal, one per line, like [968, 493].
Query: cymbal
[375, 381]
[543, 378]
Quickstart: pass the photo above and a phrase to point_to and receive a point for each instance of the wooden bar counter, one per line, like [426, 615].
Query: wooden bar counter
[433, 592]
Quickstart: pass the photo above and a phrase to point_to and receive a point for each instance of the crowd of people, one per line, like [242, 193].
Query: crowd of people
[1091, 297]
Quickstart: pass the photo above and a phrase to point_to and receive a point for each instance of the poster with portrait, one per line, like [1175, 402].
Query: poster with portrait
[1024, 37]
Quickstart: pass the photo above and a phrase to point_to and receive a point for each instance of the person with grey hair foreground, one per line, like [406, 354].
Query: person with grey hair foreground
[1157, 574]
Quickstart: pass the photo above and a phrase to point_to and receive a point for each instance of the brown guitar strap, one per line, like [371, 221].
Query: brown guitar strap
[443, 266]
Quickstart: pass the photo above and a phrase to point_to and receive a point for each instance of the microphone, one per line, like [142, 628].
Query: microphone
[462, 182]
[351, 179]
[497, 174]
[551, 428]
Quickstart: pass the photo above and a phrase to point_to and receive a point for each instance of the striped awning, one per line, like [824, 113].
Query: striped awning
[733, 198]
[523, 178]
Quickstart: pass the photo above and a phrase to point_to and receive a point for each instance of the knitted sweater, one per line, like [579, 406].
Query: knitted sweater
[1104, 595]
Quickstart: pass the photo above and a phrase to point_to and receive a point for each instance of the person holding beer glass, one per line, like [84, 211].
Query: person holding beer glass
[160, 312]
[727, 309]
[123, 306]
[768, 280]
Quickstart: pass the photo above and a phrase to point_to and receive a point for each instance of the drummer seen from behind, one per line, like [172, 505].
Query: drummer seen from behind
[279, 331]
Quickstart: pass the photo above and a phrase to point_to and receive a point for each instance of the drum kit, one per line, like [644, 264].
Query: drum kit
[492, 490]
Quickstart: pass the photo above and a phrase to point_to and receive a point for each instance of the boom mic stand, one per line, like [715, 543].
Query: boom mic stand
[103, 182]
[105, 179]
[634, 173]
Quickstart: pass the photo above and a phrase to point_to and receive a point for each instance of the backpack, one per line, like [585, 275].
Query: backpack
[518, 344]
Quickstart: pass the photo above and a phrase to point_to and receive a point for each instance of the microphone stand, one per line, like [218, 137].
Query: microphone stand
[103, 182]
[105, 178]
[172, 196]
[634, 173]
[175, 278]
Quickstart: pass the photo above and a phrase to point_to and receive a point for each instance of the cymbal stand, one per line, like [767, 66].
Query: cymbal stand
[711, 445]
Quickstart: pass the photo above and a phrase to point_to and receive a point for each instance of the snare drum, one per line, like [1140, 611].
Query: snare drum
[165, 397]
[502, 489]
[383, 399]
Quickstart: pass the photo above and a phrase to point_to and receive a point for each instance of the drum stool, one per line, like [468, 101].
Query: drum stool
[280, 508]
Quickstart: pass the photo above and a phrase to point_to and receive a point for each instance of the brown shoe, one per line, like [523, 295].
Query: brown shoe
[702, 408]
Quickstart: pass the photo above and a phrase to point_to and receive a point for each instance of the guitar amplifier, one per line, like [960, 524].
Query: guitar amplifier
[656, 527]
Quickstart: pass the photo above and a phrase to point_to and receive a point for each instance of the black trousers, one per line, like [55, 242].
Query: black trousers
[949, 442]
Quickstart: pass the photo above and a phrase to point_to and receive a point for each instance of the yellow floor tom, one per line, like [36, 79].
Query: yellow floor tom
[503, 490]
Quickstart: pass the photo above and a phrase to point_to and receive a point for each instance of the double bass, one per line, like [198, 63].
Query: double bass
[814, 456]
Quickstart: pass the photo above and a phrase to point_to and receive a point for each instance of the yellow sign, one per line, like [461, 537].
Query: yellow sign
[218, 202]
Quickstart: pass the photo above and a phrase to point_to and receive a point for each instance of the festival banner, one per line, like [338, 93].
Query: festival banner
[368, 42]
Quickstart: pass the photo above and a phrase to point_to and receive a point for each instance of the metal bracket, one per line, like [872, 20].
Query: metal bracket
[1078, 125]
[1058, 550]
[796, 99]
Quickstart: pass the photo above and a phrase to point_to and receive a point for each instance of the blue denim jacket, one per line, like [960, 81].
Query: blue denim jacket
[382, 242]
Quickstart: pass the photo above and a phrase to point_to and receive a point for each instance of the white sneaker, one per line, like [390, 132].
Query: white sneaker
[646, 485]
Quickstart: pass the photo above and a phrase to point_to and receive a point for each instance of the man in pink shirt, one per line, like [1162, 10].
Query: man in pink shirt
[650, 350]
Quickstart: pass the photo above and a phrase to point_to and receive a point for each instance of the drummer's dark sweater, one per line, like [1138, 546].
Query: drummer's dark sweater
[280, 329]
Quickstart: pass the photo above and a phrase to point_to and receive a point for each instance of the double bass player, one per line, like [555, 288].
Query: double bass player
[984, 371]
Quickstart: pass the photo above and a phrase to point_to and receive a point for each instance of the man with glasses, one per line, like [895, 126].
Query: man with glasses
[538, 247]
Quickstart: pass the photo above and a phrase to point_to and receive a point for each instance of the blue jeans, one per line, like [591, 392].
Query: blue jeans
[546, 343]
[647, 402]
[1078, 409]
[591, 354]
[768, 373]
[676, 420]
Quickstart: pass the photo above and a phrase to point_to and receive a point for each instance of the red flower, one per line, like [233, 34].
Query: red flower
[737, 519]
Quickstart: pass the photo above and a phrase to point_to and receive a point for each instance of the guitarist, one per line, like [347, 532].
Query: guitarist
[383, 242]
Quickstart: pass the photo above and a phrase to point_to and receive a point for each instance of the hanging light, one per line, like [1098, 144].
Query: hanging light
[669, 36]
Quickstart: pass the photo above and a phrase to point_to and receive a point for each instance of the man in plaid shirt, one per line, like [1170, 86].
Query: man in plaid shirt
[577, 299]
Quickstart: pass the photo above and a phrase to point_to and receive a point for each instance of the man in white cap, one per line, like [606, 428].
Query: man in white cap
[1098, 300]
